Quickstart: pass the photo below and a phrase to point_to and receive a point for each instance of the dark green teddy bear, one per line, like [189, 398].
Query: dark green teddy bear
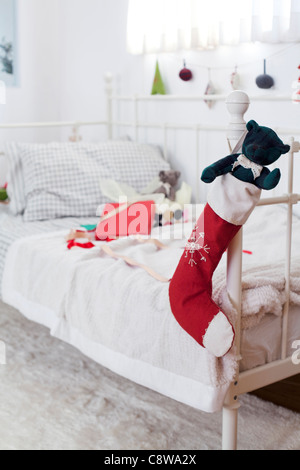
[261, 147]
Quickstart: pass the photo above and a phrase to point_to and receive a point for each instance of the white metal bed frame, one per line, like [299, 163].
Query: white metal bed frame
[237, 104]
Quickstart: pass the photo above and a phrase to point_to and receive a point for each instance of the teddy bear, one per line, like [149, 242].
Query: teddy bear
[169, 180]
[261, 147]
[237, 182]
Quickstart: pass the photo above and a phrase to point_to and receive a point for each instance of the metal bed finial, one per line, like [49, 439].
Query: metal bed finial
[237, 103]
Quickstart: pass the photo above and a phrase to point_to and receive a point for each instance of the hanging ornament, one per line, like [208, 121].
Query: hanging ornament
[265, 81]
[296, 87]
[235, 79]
[210, 90]
[158, 87]
[185, 74]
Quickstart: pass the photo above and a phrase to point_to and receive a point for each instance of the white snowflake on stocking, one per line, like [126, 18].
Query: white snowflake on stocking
[193, 245]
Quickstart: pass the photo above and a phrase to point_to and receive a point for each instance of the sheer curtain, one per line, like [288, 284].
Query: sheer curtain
[172, 25]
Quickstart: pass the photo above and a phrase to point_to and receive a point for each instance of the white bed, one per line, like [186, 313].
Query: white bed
[120, 316]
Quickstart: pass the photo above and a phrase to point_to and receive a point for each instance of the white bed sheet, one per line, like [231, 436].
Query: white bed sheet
[115, 314]
[143, 342]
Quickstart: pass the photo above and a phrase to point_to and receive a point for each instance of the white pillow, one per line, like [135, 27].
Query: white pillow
[14, 174]
[15, 180]
[3, 170]
[63, 179]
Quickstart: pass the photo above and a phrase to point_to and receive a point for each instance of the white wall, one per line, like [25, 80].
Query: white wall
[94, 41]
[35, 98]
[66, 46]
[283, 66]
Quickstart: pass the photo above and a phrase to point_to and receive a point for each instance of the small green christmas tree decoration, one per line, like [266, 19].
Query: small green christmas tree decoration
[158, 84]
[3, 194]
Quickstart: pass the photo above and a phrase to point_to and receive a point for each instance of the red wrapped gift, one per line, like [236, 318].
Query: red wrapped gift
[122, 220]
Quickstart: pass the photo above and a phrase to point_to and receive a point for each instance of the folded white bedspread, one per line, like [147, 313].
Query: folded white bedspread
[120, 316]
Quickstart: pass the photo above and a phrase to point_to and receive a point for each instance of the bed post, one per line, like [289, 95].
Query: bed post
[237, 105]
[108, 89]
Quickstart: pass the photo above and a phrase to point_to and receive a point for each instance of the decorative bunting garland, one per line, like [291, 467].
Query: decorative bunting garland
[243, 64]
[264, 80]
[296, 87]
[185, 74]
[235, 79]
[158, 87]
[210, 90]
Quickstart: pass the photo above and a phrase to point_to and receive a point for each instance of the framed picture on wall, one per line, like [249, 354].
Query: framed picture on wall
[8, 42]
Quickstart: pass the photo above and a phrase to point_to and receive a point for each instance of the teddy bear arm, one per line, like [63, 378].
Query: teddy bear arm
[160, 190]
[221, 167]
[259, 182]
[268, 180]
[172, 195]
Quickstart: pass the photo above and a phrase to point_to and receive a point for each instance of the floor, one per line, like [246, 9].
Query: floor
[54, 398]
[285, 393]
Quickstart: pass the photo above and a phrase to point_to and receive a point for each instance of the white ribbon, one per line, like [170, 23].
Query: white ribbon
[249, 165]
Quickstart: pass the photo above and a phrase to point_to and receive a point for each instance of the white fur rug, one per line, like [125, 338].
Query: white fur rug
[53, 398]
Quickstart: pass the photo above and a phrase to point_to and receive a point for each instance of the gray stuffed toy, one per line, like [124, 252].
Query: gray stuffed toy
[169, 180]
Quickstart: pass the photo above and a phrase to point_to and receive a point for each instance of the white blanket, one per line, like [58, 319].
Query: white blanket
[120, 316]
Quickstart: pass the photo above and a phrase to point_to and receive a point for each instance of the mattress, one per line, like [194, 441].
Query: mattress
[262, 343]
[14, 228]
[120, 317]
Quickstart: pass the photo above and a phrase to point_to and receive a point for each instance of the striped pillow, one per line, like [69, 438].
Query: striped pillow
[63, 179]
[15, 180]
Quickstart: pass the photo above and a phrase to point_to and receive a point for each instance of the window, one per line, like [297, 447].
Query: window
[172, 25]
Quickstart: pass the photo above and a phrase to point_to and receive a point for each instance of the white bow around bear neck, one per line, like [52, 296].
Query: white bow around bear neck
[249, 165]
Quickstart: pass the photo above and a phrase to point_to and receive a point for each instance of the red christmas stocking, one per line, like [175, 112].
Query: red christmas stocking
[229, 206]
[191, 286]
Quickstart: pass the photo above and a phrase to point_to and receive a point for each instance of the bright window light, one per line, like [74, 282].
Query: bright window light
[266, 13]
[170, 25]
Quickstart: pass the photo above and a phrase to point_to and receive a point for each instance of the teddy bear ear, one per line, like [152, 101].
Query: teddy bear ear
[285, 149]
[161, 173]
[178, 174]
[252, 125]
